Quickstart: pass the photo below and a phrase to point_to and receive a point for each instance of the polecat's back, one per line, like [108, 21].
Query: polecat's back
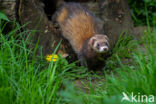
[77, 24]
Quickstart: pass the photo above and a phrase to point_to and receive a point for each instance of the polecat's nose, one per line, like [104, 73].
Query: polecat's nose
[105, 49]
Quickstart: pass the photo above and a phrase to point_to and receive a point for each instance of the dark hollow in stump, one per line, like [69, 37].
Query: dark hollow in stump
[115, 15]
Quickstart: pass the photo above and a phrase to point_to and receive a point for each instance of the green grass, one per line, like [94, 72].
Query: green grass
[137, 75]
[138, 11]
[26, 78]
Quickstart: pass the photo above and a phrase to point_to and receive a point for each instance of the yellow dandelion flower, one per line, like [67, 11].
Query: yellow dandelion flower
[54, 56]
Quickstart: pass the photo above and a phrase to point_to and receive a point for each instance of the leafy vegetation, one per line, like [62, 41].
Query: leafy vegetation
[139, 10]
[27, 78]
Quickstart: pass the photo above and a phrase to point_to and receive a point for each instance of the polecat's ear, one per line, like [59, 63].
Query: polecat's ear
[106, 37]
[92, 41]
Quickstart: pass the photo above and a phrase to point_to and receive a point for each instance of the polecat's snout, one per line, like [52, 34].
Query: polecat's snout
[99, 43]
[102, 47]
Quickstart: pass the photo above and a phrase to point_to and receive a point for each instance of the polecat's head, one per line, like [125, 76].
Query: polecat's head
[99, 43]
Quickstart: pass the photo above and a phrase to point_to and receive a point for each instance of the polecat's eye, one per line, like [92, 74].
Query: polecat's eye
[106, 43]
[98, 45]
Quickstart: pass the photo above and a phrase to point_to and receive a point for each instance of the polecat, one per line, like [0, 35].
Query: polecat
[83, 30]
